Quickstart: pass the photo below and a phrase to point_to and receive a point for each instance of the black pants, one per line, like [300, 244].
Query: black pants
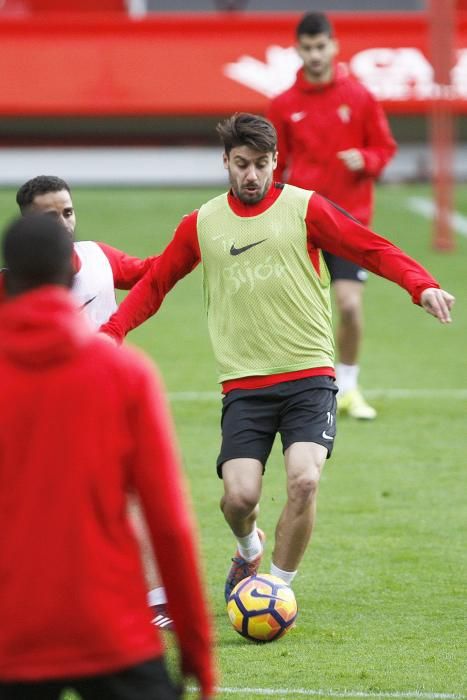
[146, 681]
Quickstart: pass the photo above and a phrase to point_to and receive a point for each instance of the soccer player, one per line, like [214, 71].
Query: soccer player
[99, 270]
[333, 137]
[72, 591]
[266, 291]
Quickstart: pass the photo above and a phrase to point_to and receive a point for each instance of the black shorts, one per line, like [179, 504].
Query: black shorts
[341, 269]
[145, 681]
[302, 410]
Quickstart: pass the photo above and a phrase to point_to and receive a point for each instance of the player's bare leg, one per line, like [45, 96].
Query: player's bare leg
[157, 599]
[304, 462]
[348, 295]
[242, 490]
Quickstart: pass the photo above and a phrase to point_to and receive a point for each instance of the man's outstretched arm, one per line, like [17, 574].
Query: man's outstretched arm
[126, 269]
[334, 230]
[155, 474]
[178, 259]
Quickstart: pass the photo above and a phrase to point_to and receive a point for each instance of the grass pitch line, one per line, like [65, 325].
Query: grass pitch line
[456, 394]
[426, 208]
[416, 393]
[305, 692]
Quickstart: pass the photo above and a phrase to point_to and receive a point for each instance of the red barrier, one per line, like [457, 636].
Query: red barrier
[31, 7]
[109, 64]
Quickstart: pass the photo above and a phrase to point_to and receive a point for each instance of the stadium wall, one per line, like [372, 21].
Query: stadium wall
[105, 79]
[61, 64]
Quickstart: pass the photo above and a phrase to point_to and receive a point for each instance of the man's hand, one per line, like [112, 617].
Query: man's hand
[438, 303]
[352, 159]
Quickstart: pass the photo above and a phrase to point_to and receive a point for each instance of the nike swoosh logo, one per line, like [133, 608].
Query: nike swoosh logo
[326, 436]
[257, 594]
[238, 251]
[88, 301]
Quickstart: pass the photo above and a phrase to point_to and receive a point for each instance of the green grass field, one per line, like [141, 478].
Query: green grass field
[381, 591]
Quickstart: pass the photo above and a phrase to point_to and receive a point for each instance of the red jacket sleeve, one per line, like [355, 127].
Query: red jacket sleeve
[379, 145]
[126, 269]
[332, 229]
[177, 260]
[155, 474]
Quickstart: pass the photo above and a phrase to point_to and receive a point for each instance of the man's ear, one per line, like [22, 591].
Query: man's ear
[225, 159]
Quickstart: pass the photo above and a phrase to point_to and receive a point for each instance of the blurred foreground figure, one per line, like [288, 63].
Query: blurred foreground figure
[84, 424]
[99, 269]
[333, 137]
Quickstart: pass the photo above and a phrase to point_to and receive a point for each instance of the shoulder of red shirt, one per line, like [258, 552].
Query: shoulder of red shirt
[107, 250]
[188, 225]
[340, 75]
[242, 209]
[272, 194]
[189, 222]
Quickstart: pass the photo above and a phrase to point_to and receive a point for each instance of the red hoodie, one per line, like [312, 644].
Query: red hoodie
[83, 425]
[314, 122]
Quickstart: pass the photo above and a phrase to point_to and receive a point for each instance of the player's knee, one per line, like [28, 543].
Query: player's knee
[350, 310]
[303, 487]
[241, 503]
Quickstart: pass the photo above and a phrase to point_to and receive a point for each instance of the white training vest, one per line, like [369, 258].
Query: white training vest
[93, 284]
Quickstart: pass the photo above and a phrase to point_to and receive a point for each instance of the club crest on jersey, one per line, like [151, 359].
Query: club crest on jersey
[297, 116]
[344, 113]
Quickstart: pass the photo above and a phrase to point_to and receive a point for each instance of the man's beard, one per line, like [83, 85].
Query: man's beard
[252, 198]
[317, 72]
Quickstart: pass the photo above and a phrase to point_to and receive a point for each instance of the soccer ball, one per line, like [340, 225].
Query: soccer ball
[262, 608]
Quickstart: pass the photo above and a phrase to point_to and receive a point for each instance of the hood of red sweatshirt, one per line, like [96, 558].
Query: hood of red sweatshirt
[340, 72]
[41, 328]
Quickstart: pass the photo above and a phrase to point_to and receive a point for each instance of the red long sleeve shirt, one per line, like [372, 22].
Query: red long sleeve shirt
[126, 269]
[328, 228]
[83, 425]
[314, 122]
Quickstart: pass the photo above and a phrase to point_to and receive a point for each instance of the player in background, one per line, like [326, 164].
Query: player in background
[99, 270]
[72, 590]
[333, 137]
[266, 292]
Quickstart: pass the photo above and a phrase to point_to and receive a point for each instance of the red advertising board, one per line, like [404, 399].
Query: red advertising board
[98, 64]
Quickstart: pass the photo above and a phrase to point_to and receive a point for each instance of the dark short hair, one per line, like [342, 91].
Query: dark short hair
[314, 23]
[42, 184]
[244, 129]
[37, 249]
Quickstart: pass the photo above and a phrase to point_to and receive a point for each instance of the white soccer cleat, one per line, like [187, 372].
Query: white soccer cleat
[354, 405]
